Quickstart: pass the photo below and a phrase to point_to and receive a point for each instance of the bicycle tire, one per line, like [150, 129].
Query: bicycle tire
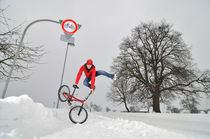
[60, 92]
[72, 117]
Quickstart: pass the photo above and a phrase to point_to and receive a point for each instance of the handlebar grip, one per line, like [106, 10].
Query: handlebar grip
[75, 86]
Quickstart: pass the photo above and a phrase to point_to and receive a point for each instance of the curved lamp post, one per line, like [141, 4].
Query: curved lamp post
[18, 49]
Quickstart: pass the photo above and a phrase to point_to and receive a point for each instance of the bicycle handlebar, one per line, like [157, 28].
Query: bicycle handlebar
[88, 95]
[75, 86]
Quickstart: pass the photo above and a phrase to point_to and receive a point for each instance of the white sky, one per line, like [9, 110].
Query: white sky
[104, 24]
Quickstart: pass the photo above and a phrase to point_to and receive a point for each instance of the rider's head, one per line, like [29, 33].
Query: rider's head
[89, 63]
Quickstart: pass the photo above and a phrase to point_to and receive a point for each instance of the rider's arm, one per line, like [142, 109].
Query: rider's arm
[93, 79]
[79, 74]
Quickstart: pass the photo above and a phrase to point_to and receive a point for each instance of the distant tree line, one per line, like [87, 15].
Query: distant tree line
[92, 107]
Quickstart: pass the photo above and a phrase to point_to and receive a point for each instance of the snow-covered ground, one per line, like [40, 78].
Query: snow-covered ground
[191, 125]
[22, 118]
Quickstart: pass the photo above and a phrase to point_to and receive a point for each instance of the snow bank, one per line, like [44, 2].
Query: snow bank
[21, 118]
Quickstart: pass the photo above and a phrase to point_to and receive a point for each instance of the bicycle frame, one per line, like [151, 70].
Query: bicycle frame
[72, 98]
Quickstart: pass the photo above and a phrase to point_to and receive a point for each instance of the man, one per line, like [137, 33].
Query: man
[90, 73]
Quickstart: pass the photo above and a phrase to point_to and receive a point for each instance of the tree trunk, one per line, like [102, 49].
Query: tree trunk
[156, 103]
[126, 106]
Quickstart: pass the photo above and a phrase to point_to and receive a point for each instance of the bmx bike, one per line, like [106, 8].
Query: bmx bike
[77, 114]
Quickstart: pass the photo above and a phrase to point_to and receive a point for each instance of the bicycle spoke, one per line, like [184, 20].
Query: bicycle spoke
[63, 89]
[78, 114]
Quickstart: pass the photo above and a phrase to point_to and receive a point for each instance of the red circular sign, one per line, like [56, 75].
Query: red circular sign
[66, 25]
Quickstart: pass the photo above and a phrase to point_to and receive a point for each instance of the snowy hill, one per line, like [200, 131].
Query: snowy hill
[22, 118]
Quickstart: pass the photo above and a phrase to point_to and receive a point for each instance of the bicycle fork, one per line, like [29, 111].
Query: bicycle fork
[80, 110]
[83, 104]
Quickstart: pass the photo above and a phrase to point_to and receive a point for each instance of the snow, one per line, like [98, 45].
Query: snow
[22, 118]
[106, 128]
[191, 125]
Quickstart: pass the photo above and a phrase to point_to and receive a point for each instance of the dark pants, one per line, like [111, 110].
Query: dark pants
[98, 73]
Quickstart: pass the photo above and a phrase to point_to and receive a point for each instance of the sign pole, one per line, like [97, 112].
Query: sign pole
[64, 65]
[69, 27]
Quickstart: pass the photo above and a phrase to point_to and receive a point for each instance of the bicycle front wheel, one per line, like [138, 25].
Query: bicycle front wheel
[78, 115]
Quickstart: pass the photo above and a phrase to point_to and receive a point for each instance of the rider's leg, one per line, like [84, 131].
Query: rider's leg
[86, 82]
[102, 72]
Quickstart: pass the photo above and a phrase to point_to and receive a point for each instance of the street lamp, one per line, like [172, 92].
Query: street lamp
[18, 50]
[20, 44]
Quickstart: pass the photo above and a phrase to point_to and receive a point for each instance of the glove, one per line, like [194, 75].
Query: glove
[93, 91]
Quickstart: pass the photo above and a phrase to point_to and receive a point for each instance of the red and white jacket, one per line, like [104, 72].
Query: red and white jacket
[89, 73]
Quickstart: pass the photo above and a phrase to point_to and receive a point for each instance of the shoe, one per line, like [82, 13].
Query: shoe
[115, 77]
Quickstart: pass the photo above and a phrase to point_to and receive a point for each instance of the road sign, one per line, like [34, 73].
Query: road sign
[68, 38]
[69, 26]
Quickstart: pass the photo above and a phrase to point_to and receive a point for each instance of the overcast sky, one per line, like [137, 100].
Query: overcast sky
[104, 24]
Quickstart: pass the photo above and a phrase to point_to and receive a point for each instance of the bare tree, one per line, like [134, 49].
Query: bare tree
[94, 107]
[122, 91]
[108, 109]
[190, 103]
[9, 38]
[158, 59]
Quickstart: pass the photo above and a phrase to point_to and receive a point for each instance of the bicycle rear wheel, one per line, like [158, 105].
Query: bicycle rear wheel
[78, 115]
[61, 90]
